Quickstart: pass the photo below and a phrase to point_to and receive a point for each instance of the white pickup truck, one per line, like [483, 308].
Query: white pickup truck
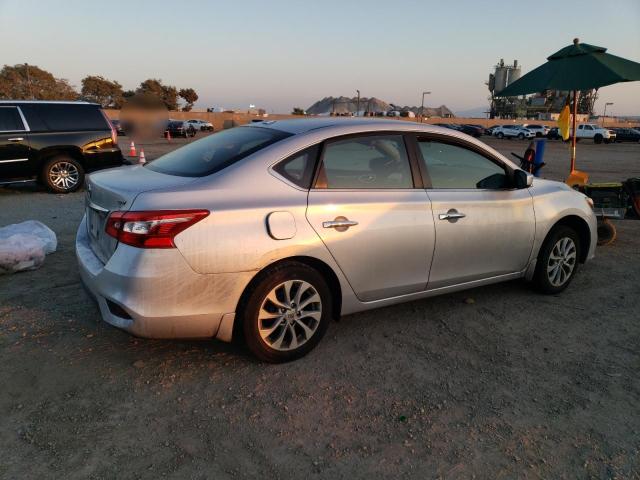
[597, 133]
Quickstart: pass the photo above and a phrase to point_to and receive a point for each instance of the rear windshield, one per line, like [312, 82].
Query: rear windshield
[216, 152]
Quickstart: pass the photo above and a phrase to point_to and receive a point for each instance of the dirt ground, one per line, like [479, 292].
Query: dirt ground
[496, 382]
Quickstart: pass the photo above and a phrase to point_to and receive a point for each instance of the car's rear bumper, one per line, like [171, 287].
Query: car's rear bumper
[154, 293]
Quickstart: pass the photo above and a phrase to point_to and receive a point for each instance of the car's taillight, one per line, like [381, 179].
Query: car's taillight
[152, 229]
[114, 133]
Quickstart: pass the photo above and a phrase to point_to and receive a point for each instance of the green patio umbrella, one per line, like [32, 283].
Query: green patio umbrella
[576, 67]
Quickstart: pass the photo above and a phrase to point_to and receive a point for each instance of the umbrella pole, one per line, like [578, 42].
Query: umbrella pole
[574, 131]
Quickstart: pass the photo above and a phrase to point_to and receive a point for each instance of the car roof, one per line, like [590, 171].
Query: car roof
[64, 102]
[303, 125]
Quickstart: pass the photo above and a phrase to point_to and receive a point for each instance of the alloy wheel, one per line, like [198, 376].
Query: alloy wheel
[64, 175]
[289, 315]
[562, 261]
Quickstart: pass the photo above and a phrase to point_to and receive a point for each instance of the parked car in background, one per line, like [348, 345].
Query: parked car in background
[513, 131]
[627, 135]
[451, 126]
[201, 125]
[473, 130]
[539, 129]
[55, 143]
[178, 128]
[554, 134]
[117, 125]
[339, 217]
[595, 132]
[489, 130]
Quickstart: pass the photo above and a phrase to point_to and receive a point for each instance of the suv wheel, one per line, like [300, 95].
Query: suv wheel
[500, 135]
[598, 138]
[521, 136]
[62, 174]
[557, 260]
[286, 313]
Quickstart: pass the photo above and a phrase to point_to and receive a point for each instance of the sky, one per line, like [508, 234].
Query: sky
[283, 53]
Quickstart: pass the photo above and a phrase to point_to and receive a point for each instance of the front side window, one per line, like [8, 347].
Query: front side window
[366, 162]
[216, 152]
[10, 120]
[453, 166]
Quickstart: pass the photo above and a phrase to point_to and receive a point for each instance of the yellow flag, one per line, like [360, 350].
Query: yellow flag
[564, 120]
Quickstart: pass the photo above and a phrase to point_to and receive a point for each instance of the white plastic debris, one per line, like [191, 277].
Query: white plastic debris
[23, 246]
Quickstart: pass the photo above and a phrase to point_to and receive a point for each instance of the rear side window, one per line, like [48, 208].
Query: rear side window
[298, 168]
[10, 120]
[216, 152]
[367, 162]
[65, 117]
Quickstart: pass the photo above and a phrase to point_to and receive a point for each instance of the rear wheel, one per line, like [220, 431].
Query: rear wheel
[557, 260]
[286, 312]
[62, 174]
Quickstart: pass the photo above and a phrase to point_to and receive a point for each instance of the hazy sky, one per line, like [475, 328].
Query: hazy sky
[280, 54]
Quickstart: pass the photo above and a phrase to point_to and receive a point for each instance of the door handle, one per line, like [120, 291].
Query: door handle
[16, 139]
[451, 215]
[341, 224]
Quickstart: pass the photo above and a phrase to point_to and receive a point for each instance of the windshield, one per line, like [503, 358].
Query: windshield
[216, 152]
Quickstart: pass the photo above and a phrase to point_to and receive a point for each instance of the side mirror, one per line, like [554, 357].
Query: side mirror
[522, 179]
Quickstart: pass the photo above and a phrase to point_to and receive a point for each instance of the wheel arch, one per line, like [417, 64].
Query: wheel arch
[582, 229]
[49, 153]
[320, 266]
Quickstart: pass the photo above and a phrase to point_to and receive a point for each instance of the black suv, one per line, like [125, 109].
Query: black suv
[55, 142]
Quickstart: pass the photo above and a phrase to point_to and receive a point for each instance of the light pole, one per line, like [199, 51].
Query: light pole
[604, 115]
[422, 107]
[358, 104]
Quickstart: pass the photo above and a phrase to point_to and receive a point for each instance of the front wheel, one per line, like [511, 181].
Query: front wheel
[286, 312]
[598, 138]
[62, 174]
[500, 135]
[521, 136]
[557, 260]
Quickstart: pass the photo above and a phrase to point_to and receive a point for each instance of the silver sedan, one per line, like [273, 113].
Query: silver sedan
[268, 231]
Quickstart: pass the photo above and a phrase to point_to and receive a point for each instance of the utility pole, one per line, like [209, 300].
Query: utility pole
[604, 115]
[358, 104]
[422, 107]
[26, 67]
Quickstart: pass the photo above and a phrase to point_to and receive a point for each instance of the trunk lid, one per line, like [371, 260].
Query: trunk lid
[116, 189]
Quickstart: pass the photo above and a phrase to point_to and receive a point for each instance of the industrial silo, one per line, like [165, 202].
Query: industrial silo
[500, 76]
[513, 73]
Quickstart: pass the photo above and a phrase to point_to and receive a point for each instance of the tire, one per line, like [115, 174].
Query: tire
[500, 135]
[273, 342]
[597, 138]
[563, 243]
[521, 136]
[62, 174]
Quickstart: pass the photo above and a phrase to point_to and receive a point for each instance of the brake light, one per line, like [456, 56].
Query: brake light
[152, 229]
[114, 133]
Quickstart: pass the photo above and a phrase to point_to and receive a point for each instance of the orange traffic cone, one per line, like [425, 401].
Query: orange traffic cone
[142, 160]
[132, 150]
[169, 136]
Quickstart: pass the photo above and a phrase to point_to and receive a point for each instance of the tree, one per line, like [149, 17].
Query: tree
[298, 111]
[28, 82]
[190, 97]
[167, 93]
[98, 89]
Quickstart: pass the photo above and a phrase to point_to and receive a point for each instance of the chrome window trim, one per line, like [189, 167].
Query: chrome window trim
[25, 125]
[15, 160]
